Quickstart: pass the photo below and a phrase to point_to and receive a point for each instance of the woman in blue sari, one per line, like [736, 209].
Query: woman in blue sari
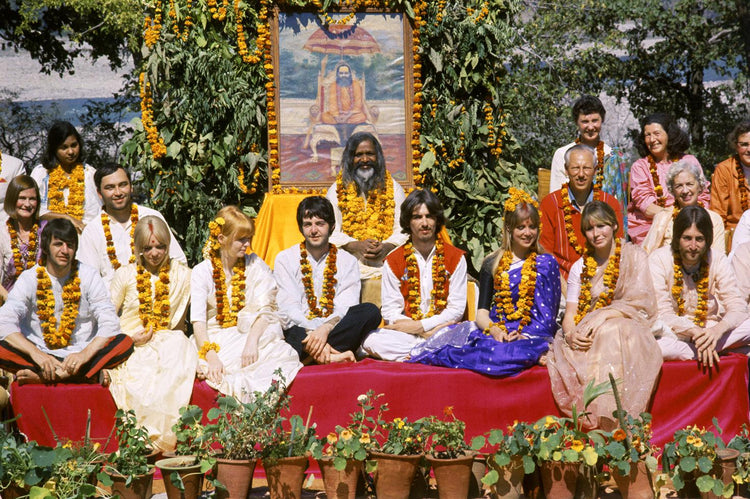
[519, 296]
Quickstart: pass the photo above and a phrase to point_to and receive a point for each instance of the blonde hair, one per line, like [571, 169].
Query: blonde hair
[512, 219]
[236, 224]
[147, 226]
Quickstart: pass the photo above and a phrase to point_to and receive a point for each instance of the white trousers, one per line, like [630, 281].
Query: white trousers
[387, 344]
[736, 340]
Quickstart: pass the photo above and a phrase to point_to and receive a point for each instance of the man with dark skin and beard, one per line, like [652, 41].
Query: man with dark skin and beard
[367, 205]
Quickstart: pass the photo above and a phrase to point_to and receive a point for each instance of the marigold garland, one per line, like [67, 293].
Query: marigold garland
[568, 216]
[329, 282]
[661, 199]
[370, 219]
[152, 28]
[111, 253]
[611, 274]
[439, 293]
[599, 164]
[503, 296]
[207, 347]
[27, 260]
[420, 8]
[158, 149]
[226, 313]
[153, 308]
[187, 22]
[701, 309]
[742, 183]
[74, 182]
[55, 337]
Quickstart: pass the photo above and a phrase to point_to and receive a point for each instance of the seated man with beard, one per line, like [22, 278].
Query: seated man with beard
[344, 104]
[367, 206]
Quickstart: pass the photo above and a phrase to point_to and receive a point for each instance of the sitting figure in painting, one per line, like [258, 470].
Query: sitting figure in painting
[367, 205]
[701, 309]
[59, 324]
[685, 182]
[319, 291]
[424, 282]
[233, 311]
[609, 312]
[107, 241]
[151, 296]
[519, 295]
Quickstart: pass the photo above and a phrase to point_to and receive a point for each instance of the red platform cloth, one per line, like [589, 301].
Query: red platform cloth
[684, 396]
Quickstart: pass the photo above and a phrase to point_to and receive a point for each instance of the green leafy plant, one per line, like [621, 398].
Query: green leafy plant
[446, 439]
[23, 464]
[193, 437]
[741, 443]
[357, 438]
[403, 437]
[298, 440]
[629, 444]
[130, 459]
[517, 443]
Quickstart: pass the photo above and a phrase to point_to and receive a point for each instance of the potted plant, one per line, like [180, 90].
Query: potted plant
[691, 457]
[342, 452]
[127, 470]
[510, 461]
[397, 457]
[630, 456]
[449, 454]
[741, 444]
[22, 464]
[285, 455]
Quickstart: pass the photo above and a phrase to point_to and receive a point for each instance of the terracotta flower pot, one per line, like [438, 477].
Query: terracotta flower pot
[340, 484]
[724, 467]
[532, 485]
[138, 488]
[285, 476]
[637, 484]
[452, 475]
[189, 470]
[394, 474]
[510, 478]
[236, 475]
[13, 491]
[559, 478]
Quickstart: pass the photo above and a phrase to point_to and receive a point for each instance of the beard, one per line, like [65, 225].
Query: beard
[366, 179]
[344, 81]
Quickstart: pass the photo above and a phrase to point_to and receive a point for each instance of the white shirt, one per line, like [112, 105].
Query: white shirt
[393, 301]
[10, 168]
[292, 300]
[96, 313]
[92, 248]
[91, 202]
[557, 176]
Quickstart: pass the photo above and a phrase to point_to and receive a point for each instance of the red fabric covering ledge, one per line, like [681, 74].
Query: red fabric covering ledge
[684, 396]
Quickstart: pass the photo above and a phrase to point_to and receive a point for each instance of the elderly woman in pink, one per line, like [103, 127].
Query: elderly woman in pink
[661, 143]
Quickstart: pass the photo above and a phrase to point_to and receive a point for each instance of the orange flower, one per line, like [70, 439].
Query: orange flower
[448, 411]
[619, 435]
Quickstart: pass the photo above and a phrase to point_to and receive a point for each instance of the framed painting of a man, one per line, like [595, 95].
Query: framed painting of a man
[336, 80]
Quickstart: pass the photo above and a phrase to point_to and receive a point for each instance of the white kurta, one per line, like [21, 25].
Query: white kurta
[157, 379]
[660, 233]
[340, 238]
[91, 202]
[96, 313]
[273, 352]
[10, 168]
[93, 245]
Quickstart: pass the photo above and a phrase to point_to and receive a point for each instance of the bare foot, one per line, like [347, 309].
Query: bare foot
[28, 377]
[200, 375]
[347, 356]
[104, 378]
[543, 360]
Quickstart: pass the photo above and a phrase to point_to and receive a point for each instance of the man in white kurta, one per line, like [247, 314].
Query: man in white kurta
[115, 190]
[95, 341]
[368, 230]
[331, 335]
[405, 328]
[10, 168]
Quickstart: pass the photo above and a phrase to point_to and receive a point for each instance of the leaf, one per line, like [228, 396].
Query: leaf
[40, 493]
[477, 442]
[104, 478]
[705, 464]
[706, 483]
[339, 463]
[491, 477]
[687, 463]
[590, 456]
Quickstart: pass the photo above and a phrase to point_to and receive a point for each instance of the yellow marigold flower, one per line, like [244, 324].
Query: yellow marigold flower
[698, 443]
[346, 434]
[365, 438]
[577, 445]
[332, 438]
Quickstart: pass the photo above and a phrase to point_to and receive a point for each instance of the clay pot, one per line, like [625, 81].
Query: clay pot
[478, 470]
[509, 484]
[189, 470]
[532, 485]
[635, 485]
[452, 475]
[394, 474]
[559, 478]
[285, 476]
[724, 467]
[138, 489]
[13, 491]
[236, 475]
[340, 484]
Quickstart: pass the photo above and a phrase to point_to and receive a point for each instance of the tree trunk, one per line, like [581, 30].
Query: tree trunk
[743, 15]
[696, 101]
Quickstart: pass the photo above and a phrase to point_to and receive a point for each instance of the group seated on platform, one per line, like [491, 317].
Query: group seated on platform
[151, 296]
[59, 324]
[519, 296]
[234, 315]
[107, 240]
[424, 282]
[609, 311]
[729, 189]
[319, 290]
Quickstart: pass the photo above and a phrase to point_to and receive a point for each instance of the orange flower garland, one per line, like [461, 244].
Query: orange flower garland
[152, 29]
[153, 309]
[59, 180]
[158, 149]
[419, 10]
[329, 282]
[526, 288]
[439, 294]
[207, 347]
[186, 24]
[55, 337]
[111, 244]
[599, 164]
[568, 216]
[29, 259]
[373, 220]
[226, 314]
[742, 183]
[701, 309]
[661, 199]
[611, 274]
